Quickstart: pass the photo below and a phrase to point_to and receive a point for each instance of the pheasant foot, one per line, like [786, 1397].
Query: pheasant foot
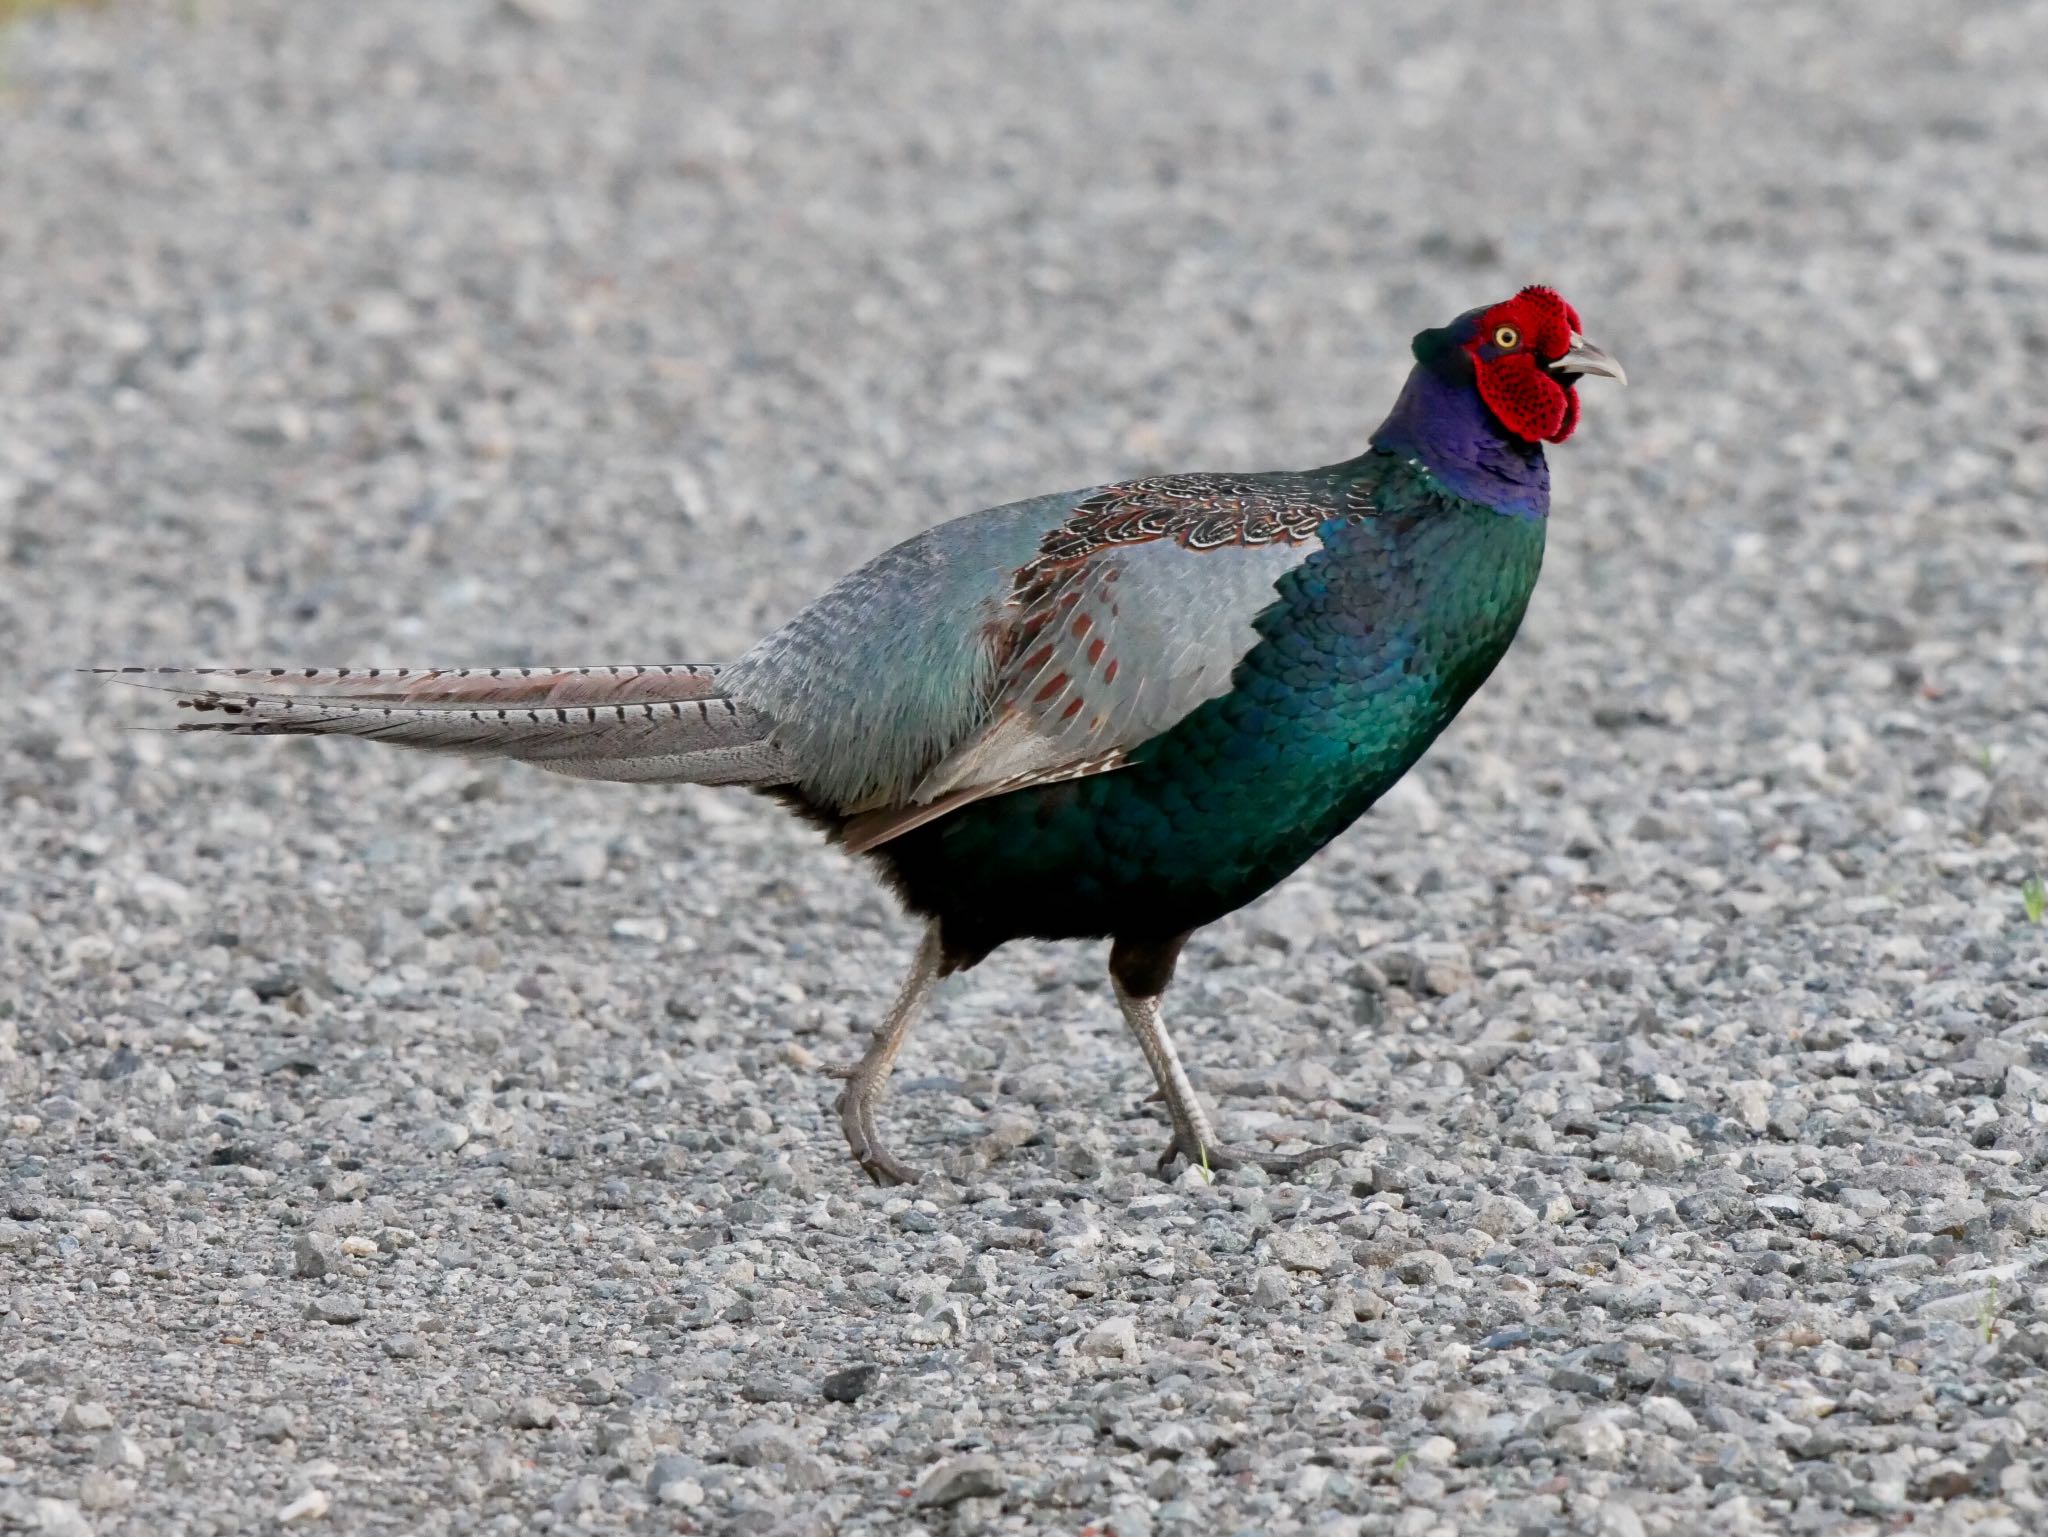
[1139, 973]
[857, 1120]
[1229, 1155]
[866, 1079]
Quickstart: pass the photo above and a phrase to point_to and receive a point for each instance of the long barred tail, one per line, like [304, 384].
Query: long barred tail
[668, 724]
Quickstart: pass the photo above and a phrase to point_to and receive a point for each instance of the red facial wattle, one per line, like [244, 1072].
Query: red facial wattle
[1515, 381]
[1529, 403]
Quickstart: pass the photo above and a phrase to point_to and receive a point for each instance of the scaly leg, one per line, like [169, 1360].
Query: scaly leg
[865, 1080]
[1139, 972]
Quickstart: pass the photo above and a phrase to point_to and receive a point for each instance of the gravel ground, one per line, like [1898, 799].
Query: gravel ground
[406, 1145]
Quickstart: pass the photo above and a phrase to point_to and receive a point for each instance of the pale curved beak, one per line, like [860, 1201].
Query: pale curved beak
[1584, 358]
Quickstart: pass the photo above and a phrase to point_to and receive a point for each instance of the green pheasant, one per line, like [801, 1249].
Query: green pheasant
[1115, 713]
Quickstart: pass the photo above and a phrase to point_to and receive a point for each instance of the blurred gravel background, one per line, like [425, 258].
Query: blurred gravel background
[404, 1145]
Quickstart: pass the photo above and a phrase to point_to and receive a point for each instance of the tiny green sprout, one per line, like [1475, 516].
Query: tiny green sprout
[1986, 759]
[2034, 898]
[1401, 1462]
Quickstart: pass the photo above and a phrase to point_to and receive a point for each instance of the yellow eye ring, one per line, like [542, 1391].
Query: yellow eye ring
[1507, 338]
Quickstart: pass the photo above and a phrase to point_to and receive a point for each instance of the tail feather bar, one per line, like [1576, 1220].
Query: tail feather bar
[439, 687]
[642, 724]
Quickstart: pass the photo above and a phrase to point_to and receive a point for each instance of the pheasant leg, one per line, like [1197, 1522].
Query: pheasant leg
[1139, 976]
[1192, 1131]
[866, 1078]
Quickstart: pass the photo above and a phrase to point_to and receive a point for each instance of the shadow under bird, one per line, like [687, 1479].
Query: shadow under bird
[1115, 713]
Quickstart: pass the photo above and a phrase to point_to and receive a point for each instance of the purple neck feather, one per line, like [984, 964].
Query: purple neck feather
[1443, 423]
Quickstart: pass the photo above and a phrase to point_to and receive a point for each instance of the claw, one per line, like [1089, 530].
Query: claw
[864, 1138]
[885, 1169]
[1223, 1155]
[1293, 1163]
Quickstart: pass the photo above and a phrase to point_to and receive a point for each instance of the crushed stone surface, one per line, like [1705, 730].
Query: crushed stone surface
[404, 1145]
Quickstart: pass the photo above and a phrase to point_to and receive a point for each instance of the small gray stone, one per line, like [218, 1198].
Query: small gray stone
[2017, 801]
[99, 1489]
[1617, 1518]
[1173, 1438]
[807, 1470]
[1314, 1249]
[1425, 1267]
[774, 1387]
[542, 13]
[85, 1415]
[336, 1308]
[1668, 1414]
[761, 1445]
[307, 1505]
[118, 1450]
[1389, 1178]
[1270, 1288]
[1440, 969]
[961, 1478]
[1501, 1215]
[1009, 1130]
[648, 931]
[1967, 1306]
[315, 1255]
[1113, 1338]
[1304, 1079]
[674, 1480]
[1687, 1379]
[1664, 1148]
[346, 1185]
[56, 1518]
[1435, 1451]
[1573, 1379]
[577, 1496]
[1596, 1437]
[531, 1413]
[849, 1383]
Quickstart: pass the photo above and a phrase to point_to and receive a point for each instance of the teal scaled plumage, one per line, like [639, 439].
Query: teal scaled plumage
[1121, 712]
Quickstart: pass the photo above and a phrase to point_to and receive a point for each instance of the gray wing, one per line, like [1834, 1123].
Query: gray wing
[886, 672]
[1110, 651]
[1033, 642]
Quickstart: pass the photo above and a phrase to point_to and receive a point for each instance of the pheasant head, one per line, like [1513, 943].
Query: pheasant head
[1527, 357]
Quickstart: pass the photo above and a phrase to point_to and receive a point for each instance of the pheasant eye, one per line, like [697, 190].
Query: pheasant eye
[1507, 338]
